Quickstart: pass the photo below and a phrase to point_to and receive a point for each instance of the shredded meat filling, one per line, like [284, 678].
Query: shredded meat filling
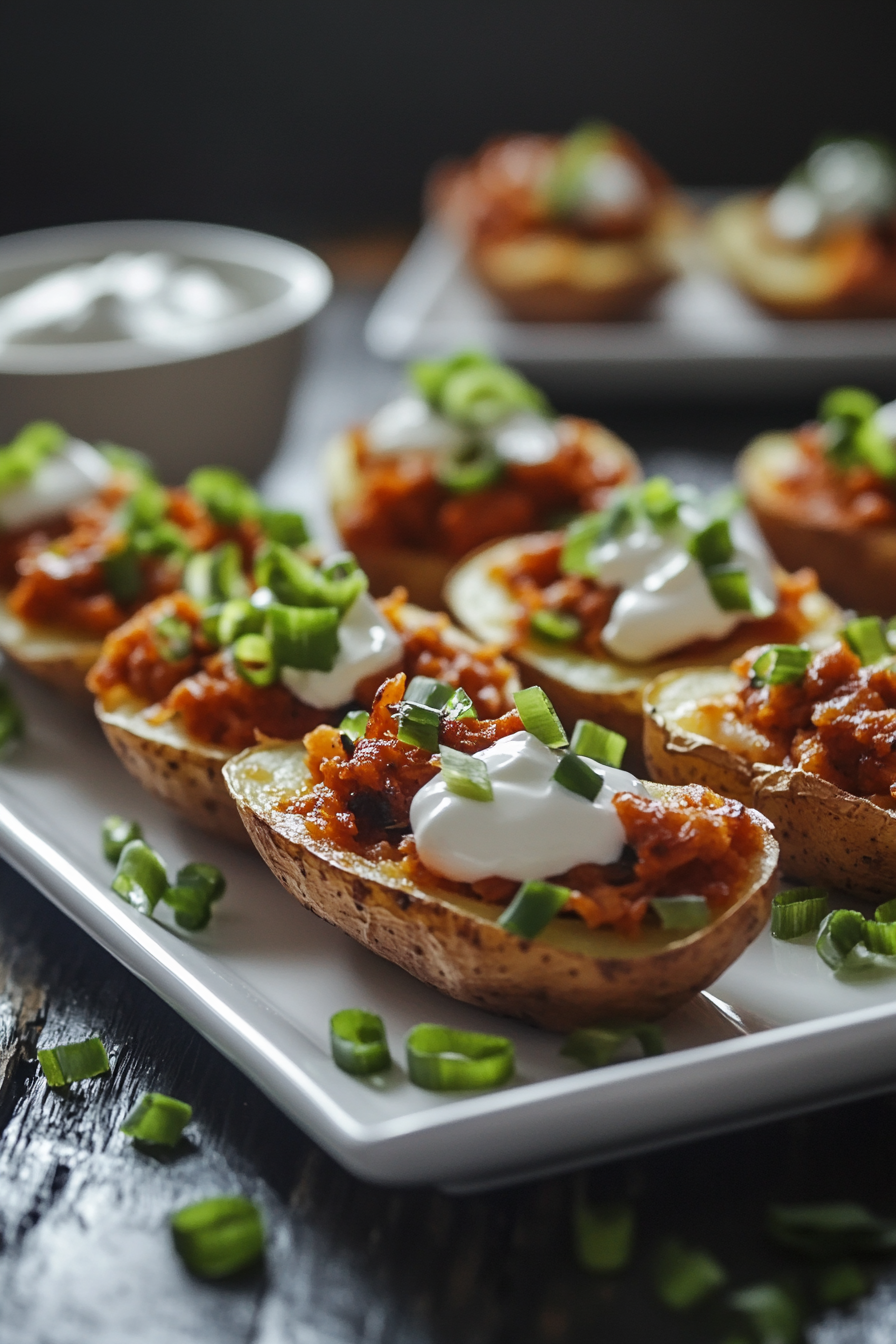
[817, 491]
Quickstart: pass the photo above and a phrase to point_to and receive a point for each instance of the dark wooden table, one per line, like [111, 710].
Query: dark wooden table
[85, 1256]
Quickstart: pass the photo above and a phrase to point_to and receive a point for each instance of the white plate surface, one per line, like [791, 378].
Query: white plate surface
[702, 337]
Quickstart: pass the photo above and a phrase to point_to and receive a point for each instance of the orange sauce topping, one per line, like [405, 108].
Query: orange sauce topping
[816, 491]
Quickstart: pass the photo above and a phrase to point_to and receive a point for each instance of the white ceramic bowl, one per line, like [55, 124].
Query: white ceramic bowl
[218, 395]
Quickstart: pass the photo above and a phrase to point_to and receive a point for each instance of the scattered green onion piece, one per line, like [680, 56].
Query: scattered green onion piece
[191, 910]
[557, 627]
[539, 717]
[470, 471]
[580, 539]
[254, 660]
[681, 912]
[772, 1313]
[532, 908]
[659, 501]
[444, 1060]
[574, 774]
[145, 507]
[12, 720]
[840, 931]
[596, 1047]
[157, 1119]
[466, 776]
[886, 913]
[126, 459]
[358, 1041]
[460, 706]
[209, 623]
[116, 833]
[227, 495]
[418, 725]
[72, 1063]
[205, 877]
[867, 639]
[26, 454]
[339, 566]
[216, 575]
[165, 538]
[713, 546]
[173, 638]
[873, 447]
[730, 587]
[238, 617]
[122, 573]
[482, 395]
[296, 583]
[828, 1230]
[140, 877]
[683, 1277]
[603, 1235]
[798, 911]
[218, 1237]
[303, 637]
[429, 376]
[781, 665]
[284, 526]
[428, 691]
[880, 937]
[842, 1282]
[598, 744]
[354, 725]
[848, 403]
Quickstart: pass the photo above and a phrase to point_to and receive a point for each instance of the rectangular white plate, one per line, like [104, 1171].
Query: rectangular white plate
[702, 338]
[262, 981]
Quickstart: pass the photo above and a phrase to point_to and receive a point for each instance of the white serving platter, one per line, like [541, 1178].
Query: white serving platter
[777, 1034]
[702, 338]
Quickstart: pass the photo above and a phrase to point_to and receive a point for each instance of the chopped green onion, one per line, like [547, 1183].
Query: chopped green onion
[303, 637]
[444, 1060]
[122, 573]
[576, 154]
[173, 638]
[730, 587]
[428, 691]
[848, 403]
[227, 495]
[205, 877]
[684, 1277]
[284, 526]
[191, 909]
[296, 583]
[254, 660]
[460, 706]
[28, 451]
[209, 623]
[603, 1235]
[72, 1063]
[598, 744]
[429, 376]
[840, 931]
[164, 538]
[145, 507]
[140, 878]
[418, 725]
[828, 1230]
[116, 833]
[358, 1041]
[12, 720]
[841, 1283]
[238, 617]
[558, 627]
[681, 912]
[772, 1313]
[471, 470]
[581, 537]
[466, 776]
[216, 575]
[482, 395]
[797, 911]
[596, 1047]
[867, 639]
[532, 908]
[659, 501]
[713, 545]
[218, 1236]
[126, 459]
[781, 665]
[354, 725]
[886, 913]
[339, 566]
[574, 774]
[539, 717]
[880, 937]
[873, 447]
[157, 1119]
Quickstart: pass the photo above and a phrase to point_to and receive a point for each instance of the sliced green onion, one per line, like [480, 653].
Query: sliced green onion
[576, 154]
[886, 913]
[173, 638]
[12, 720]
[354, 725]
[466, 776]
[848, 403]
[116, 833]
[254, 660]
[444, 1060]
[428, 691]
[481, 395]
[867, 639]
[713, 546]
[596, 1047]
[209, 623]
[840, 931]
[216, 575]
[303, 637]
[71, 1063]
[33, 444]
[145, 507]
[358, 1041]
[833, 1229]
[296, 583]
[471, 470]
[683, 1277]
[164, 538]
[659, 501]
[157, 1119]
[539, 717]
[227, 495]
[873, 447]
[140, 878]
[797, 911]
[339, 566]
[603, 1235]
[880, 937]
[781, 665]
[681, 912]
[238, 617]
[429, 376]
[284, 526]
[122, 574]
[219, 1236]
[598, 744]
[191, 910]
[532, 908]
[574, 774]
[460, 706]
[730, 587]
[418, 725]
[581, 537]
[205, 877]
[773, 1315]
[126, 459]
[841, 1283]
[558, 627]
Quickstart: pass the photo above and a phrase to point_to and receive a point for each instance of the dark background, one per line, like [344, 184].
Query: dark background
[311, 119]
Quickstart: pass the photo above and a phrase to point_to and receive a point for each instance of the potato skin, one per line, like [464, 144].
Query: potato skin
[470, 958]
[60, 660]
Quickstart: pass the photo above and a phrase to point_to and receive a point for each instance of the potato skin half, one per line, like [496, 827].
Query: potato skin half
[60, 660]
[469, 957]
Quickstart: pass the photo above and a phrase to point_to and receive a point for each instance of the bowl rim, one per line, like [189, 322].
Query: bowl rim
[309, 285]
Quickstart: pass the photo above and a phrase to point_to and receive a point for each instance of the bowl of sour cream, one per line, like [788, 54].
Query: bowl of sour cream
[180, 340]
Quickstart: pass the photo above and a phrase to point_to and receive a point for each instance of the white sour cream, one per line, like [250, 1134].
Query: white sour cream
[409, 423]
[885, 419]
[368, 643]
[533, 828]
[68, 478]
[526, 438]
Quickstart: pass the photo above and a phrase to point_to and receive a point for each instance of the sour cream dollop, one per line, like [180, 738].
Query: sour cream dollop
[533, 828]
[409, 423]
[368, 643]
[68, 478]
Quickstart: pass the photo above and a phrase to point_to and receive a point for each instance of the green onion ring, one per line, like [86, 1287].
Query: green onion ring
[442, 1059]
